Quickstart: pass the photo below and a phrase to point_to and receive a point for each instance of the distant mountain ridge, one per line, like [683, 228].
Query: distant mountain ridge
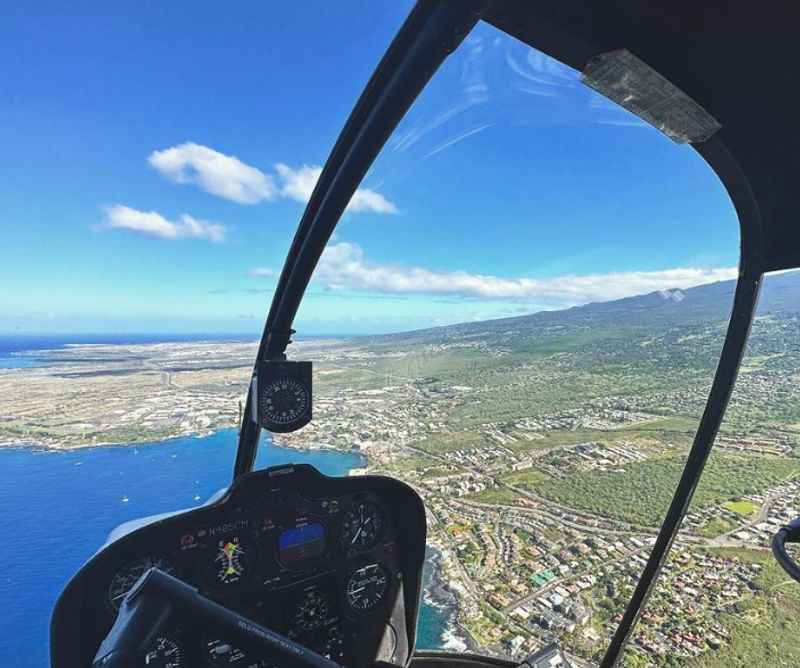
[711, 302]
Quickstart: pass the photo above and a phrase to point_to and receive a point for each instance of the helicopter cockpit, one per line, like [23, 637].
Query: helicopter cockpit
[333, 565]
[288, 567]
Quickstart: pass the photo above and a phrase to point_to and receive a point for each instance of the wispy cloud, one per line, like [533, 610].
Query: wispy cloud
[344, 266]
[405, 140]
[261, 272]
[624, 122]
[228, 177]
[153, 224]
[610, 113]
[538, 92]
[298, 184]
[542, 76]
[441, 147]
[223, 175]
[473, 91]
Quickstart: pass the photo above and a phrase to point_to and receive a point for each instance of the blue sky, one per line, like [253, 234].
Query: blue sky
[157, 158]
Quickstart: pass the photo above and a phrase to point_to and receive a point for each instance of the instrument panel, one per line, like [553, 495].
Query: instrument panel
[332, 563]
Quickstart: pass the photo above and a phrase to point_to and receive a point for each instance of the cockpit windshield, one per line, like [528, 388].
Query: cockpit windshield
[519, 317]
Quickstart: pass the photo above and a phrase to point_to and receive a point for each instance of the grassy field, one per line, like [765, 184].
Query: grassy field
[641, 492]
[743, 507]
[714, 527]
[496, 496]
[449, 441]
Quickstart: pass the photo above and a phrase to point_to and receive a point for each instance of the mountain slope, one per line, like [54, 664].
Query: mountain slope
[705, 304]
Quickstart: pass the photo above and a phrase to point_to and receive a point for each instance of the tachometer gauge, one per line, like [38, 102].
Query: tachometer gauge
[367, 587]
[362, 526]
[312, 612]
[129, 574]
[165, 653]
[230, 561]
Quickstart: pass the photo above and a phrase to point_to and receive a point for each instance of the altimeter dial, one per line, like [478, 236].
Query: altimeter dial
[362, 526]
[367, 587]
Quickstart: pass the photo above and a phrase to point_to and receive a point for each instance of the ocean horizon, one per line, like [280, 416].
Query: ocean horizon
[23, 351]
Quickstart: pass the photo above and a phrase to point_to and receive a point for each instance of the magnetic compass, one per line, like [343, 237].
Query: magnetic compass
[284, 401]
[281, 395]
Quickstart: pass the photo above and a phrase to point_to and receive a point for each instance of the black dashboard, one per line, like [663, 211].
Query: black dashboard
[332, 563]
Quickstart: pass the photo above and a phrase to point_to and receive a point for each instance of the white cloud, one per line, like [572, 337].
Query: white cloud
[154, 224]
[261, 272]
[298, 184]
[343, 266]
[228, 177]
[214, 172]
[365, 199]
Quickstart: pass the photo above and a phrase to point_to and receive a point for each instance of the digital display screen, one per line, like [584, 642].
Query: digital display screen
[301, 543]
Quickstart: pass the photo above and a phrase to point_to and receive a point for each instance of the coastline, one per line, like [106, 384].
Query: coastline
[440, 608]
[437, 594]
[70, 501]
[156, 439]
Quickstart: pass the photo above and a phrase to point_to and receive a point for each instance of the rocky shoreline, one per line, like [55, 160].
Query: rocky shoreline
[438, 594]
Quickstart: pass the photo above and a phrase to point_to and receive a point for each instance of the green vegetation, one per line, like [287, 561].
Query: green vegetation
[640, 492]
[501, 496]
[743, 507]
[764, 630]
[714, 527]
[448, 441]
[527, 478]
[417, 464]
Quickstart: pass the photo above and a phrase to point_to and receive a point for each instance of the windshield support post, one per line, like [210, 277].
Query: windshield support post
[432, 31]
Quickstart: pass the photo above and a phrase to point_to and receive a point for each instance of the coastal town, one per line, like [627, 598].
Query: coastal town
[545, 476]
[526, 571]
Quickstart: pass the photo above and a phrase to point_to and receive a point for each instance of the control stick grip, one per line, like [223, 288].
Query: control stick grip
[152, 600]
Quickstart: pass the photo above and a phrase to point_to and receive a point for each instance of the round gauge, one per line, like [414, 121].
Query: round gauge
[284, 401]
[165, 653]
[129, 574]
[362, 526]
[230, 562]
[366, 587]
[312, 612]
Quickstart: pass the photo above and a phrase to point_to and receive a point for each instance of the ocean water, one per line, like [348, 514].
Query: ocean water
[30, 350]
[56, 509]
[435, 626]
